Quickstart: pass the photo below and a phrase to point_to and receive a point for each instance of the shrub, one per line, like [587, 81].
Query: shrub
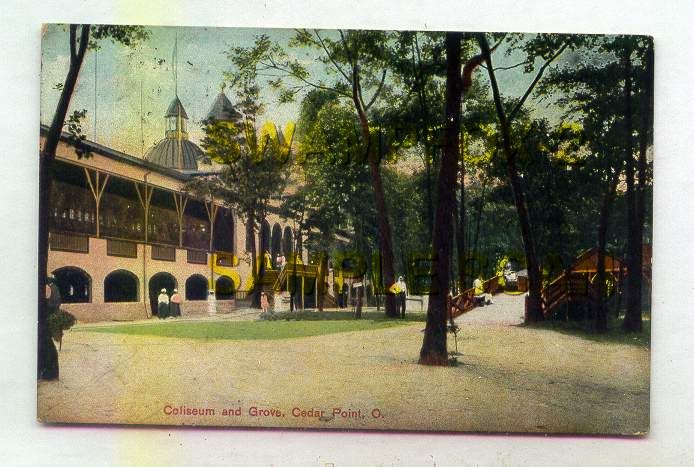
[59, 322]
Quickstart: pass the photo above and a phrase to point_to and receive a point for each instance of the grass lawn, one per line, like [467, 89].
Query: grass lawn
[243, 330]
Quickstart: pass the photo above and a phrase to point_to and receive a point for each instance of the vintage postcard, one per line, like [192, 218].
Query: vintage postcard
[345, 229]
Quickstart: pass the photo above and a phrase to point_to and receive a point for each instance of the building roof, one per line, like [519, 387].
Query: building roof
[123, 157]
[174, 153]
[175, 108]
[222, 109]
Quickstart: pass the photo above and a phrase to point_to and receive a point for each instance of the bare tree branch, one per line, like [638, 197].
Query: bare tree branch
[520, 103]
[330, 56]
[378, 91]
[275, 66]
[500, 68]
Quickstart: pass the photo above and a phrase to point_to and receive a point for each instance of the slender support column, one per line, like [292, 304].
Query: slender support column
[180, 200]
[303, 281]
[211, 209]
[97, 188]
[145, 201]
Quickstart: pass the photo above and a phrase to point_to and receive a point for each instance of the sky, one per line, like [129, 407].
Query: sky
[110, 91]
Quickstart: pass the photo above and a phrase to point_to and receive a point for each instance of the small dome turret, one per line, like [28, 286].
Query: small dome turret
[175, 151]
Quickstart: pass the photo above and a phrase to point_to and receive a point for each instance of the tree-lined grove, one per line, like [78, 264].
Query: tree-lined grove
[454, 151]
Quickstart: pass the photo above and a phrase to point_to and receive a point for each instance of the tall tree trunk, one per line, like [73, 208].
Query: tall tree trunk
[424, 123]
[434, 350]
[478, 222]
[255, 265]
[430, 197]
[384, 231]
[640, 209]
[533, 312]
[322, 274]
[461, 222]
[632, 317]
[599, 299]
[47, 361]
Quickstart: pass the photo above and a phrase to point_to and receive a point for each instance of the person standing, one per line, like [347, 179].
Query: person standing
[211, 303]
[175, 305]
[401, 288]
[163, 305]
[264, 303]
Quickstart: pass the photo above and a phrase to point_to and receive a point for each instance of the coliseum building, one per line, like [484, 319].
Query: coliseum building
[122, 228]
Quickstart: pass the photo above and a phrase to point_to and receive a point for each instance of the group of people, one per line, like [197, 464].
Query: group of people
[280, 261]
[169, 306]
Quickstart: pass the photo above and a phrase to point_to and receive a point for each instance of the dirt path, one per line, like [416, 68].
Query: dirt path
[512, 378]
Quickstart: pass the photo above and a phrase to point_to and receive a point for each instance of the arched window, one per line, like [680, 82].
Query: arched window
[159, 281]
[121, 286]
[287, 242]
[74, 284]
[264, 238]
[196, 287]
[224, 288]
[276, 247]
[224, 231]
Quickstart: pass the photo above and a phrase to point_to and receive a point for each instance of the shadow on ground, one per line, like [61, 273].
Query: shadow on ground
[371, 315]
[585, 330]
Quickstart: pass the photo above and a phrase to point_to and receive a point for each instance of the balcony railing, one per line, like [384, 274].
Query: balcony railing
[163, 253]
[197, 256]
[121, 248]
[68, 242]
[226, 260]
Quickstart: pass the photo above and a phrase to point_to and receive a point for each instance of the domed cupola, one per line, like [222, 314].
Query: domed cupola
[175, 151]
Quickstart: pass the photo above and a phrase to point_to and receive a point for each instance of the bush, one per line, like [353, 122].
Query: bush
[59, 322]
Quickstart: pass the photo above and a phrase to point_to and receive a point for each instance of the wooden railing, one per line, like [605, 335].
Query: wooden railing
[565, 287]
[68, 242]
[301, 270]
[121, 248]
[242, 294]
[225, 259]
[465, 301]
[163, 253]
[197, 256]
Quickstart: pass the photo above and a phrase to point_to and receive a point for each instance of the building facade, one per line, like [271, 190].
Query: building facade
[122, 228]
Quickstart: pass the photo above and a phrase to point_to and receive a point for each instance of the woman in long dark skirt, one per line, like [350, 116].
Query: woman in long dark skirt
[163, 305]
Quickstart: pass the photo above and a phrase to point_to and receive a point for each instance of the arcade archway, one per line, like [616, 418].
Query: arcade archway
[74, 284]
[196, 287]
[159, 281]
[121, 286]
[224, 288]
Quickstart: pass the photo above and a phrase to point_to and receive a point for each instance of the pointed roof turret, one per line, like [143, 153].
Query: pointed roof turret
[222, 109]
[175, 109]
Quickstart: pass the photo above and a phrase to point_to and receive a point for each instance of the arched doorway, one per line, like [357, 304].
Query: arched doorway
[276, 243]
[121, 286]
[196, 287]
[224, 288]
[161, 280]
[74, 284]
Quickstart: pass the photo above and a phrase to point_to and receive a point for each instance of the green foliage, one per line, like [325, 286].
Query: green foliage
[76, 137]
[58, 323]
[254, 161]
[127, 35]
